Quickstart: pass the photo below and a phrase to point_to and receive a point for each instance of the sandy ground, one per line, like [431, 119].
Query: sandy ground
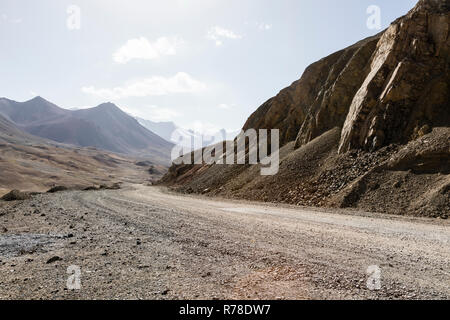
[146, 243]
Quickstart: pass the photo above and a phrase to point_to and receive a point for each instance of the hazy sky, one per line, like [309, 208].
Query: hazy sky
[200, 63]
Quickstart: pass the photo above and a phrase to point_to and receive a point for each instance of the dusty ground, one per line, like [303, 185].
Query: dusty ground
[403, 180]
[146, 243]
[39, 167]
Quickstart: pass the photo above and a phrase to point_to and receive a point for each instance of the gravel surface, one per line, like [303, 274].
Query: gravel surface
[146, 243]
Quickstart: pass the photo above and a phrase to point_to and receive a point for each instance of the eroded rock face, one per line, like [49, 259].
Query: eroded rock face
[288, 110]
[390, 88]
[314, 104]
[406, 90]
[331, 105]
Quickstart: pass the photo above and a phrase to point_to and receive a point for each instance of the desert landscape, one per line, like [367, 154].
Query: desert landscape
[363, 185]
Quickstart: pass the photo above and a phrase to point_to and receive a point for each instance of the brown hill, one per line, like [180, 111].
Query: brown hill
[35, 164]
[366, 127]
[125, 132]
[104, 127]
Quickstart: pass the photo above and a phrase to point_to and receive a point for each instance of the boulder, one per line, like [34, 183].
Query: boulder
[16, 195]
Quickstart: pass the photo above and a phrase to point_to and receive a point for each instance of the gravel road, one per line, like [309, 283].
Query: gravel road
[147, 243]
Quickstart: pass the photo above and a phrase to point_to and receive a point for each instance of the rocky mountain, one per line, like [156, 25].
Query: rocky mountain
[124, 131]
[162, 129]
[36, 164]
[365, 127]
[9, 133]
[36, 110]
[170, 132]
[104, 127]
[384, 89]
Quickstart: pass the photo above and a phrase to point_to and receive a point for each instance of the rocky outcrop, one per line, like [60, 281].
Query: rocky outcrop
[390, 88]
[16, 195]
[429, 154]
[331, 105]
[314, 104]
[406, 92]
[365, 127]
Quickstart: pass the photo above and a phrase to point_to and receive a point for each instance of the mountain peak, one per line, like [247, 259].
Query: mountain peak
[433, 5]
[108, 106]
[38, 98]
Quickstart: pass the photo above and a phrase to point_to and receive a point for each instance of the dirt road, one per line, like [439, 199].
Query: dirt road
[146, 243]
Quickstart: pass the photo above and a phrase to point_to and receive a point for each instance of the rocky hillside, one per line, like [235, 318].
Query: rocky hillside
[386, 89]
[31, 163]
[126, 133]
[104, 127]
[366, 127]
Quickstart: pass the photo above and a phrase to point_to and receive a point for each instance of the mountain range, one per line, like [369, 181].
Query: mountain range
[31, 163]
[104, 127]
[185, 137]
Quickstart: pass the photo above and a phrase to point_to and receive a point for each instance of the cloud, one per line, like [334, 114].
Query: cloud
[153, 86]
[264, 26]
[217, 34]
[153, 113]
[225, 106]
[4, 17]
[204, 128]
[163, 114]
[209, 131]
[79, 108]
[141, 48]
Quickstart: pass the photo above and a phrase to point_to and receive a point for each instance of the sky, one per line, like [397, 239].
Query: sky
[204, 64]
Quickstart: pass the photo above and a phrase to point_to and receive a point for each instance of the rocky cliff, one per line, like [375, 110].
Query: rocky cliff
[378, 110]
[389, 88]
[406, 92]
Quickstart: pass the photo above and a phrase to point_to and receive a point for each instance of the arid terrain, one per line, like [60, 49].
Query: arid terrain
[402, 180]
[357, 210]
[39, 168]
[146, 243]
[366, 127]
[35, 164]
